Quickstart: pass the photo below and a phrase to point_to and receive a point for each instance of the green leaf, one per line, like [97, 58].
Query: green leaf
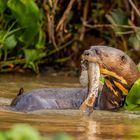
[27, 15]
[32, 65]
[33, 55]
[132, 101]
[23, 132]
[118, 17]
[10, 42]
[134, 40]
[3, 5]
[2, 136]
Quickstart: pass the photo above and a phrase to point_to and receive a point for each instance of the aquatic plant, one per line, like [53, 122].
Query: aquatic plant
[21, 36]
[55, 32]
[132, 101]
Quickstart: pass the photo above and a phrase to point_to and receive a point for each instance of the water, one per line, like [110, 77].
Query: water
[100, 125]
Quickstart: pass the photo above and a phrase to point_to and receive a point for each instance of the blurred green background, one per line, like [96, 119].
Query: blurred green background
[37, 33]
[26, 132]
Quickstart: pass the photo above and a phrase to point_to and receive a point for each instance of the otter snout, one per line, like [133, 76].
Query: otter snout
[87, 52]
[92, 52]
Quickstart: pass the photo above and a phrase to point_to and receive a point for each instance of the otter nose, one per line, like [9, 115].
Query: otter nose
[87, 52]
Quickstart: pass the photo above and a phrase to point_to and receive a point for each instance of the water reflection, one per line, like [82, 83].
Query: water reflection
[98, 126]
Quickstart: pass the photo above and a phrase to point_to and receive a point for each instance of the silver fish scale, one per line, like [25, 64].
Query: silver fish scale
[94, 79]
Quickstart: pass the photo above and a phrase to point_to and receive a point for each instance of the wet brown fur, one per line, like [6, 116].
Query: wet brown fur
[119, 63]
[71, 98]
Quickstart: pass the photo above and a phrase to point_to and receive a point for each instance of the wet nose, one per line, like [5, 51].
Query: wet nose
[87, 52]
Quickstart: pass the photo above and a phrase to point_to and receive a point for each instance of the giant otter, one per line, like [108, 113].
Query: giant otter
[120, 73]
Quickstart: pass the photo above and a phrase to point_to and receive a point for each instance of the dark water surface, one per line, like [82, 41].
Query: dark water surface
[100, 125]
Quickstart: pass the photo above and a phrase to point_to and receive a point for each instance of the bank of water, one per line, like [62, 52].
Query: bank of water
[99, 125]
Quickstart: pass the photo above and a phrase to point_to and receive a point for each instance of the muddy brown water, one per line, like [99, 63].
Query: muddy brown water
[100, 125]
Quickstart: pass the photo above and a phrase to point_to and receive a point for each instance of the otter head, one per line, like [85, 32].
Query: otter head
[113, 60]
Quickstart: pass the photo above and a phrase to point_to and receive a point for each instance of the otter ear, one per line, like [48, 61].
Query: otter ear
[123, 58]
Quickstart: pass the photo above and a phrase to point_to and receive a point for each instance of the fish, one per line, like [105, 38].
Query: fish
[93, 87]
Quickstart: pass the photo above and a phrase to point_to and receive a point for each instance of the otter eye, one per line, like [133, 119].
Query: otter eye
[123, 59]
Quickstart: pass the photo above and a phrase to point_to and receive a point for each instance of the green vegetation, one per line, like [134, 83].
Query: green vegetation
[139, 67]
[25, 132]
[34, 33]
[132, 101]
[21, 35]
